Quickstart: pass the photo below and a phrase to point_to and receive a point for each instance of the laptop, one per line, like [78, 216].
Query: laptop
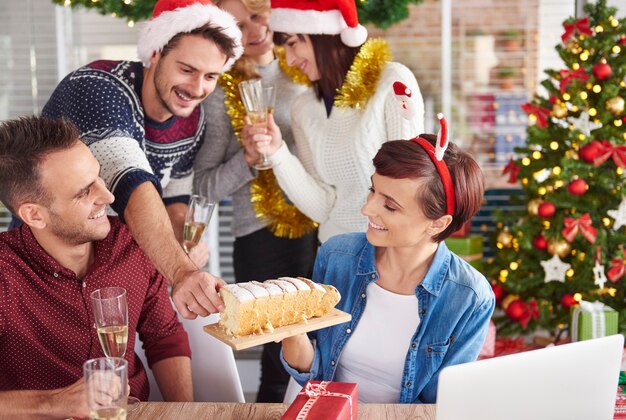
[570, 382]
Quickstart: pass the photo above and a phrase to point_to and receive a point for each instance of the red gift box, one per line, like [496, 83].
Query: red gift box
[324, 400]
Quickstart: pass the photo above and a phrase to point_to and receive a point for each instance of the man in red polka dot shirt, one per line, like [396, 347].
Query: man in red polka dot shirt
[67, 248]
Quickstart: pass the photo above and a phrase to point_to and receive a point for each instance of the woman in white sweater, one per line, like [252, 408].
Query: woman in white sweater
[339, 123]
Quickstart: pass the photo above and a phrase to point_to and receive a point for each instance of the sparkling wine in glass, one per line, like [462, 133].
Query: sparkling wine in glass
[197, 219]
[258, 97]
[110, 309]
[106, 380]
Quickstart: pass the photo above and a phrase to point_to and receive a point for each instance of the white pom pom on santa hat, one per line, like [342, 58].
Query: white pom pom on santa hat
[330, 17]
[172, 17]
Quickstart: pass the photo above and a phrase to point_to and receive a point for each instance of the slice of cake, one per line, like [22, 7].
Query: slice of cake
[275, 307]
[317, 294]
[261, 305]
[238, 315]
[304, 305]
[290, 294]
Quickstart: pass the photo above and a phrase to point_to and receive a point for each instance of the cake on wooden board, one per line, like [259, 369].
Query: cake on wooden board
[258, 307]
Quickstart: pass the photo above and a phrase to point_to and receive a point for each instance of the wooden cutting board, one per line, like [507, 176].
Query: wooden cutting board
[334, 317]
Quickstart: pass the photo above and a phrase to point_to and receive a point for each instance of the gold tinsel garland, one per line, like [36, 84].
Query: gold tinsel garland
[364, 73]
[268, 200]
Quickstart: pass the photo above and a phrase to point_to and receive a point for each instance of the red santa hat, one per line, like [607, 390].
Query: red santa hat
[172, 17]
[330, 17]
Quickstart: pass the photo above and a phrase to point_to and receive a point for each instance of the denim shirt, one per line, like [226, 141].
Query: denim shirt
[455, 306]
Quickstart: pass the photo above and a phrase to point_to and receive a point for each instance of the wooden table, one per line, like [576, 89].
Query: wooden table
[219, 411]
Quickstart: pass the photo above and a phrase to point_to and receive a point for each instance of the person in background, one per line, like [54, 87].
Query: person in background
[66, 248]
[266, 247]
[144, 123]
[411, 299]
[339, 123]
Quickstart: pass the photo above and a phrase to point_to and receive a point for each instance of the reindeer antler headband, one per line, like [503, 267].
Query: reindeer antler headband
[436, 153]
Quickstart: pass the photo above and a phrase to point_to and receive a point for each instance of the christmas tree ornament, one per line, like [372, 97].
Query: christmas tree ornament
[580, 26]
[542, 175]
[546, 210]
[582, 225]
[555, 269]
[515, 310]
[533, 206]
[618, 268]
[508, 299]
[505, 238]
[540, 242]
[602, 71]
[583, 124]
[568, 300]
[577, 187]
[498, 291]
[569, 76]
[512, 169]
[619, 215]
[559, 111]
[558, 247]
[605, 150]
[403, 94]
[598, 271]
[615, 105]
[530, 311]
[590, 151]
[541, 114]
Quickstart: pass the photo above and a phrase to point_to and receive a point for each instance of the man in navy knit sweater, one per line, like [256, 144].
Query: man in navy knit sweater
[144, 123]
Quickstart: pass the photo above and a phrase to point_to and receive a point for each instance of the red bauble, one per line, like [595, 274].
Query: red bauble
[498, 291]
[546, 210]
[515, 310]
[602, 71]
[568, 300]
[577, 187]
[540, 242]
[622, 40]
[590, 151]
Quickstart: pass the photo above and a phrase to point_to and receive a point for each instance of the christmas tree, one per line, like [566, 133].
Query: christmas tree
[568, 244]
[381, 13]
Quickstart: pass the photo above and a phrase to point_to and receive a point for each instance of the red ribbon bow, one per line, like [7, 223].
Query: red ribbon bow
[618, 269]
[542, 114]
[582, 225]
[530, 311]
[512, 169]
[607, 150]
[581, 25]
[568, 76]
[314, 391]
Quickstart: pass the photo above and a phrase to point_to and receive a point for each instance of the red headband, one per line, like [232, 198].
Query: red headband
[436, 155]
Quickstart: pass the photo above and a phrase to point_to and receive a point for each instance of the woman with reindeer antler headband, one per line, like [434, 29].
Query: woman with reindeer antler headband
[416, 307]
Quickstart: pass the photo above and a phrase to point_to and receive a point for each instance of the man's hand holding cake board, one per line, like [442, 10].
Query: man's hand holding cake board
[260, 312]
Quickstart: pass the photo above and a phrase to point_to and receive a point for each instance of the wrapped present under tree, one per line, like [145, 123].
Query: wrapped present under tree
[592, 320]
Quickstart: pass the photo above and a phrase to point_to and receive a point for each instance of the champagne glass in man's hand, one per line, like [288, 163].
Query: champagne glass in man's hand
[197, 219]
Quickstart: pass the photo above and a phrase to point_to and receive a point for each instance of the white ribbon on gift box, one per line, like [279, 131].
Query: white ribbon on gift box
[598, 324]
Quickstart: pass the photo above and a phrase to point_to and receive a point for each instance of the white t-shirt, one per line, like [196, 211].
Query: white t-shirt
[375, 354]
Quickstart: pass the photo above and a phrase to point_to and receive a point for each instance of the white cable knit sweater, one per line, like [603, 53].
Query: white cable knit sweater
[329, 179]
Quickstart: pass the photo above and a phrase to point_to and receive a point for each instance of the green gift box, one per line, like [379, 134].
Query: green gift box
[592, 320]
[469, 248]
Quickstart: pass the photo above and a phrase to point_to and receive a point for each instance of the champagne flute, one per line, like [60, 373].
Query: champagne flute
[197, 219]
[110, 311]
[106, 380]
[254, 95]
